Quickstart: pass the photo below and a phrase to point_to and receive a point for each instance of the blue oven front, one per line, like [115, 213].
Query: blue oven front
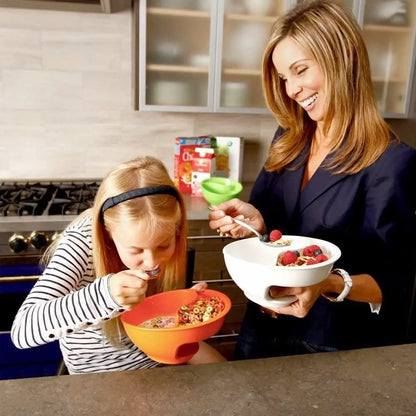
[15, 283]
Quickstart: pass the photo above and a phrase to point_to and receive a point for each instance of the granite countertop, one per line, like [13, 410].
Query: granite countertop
[378, 381]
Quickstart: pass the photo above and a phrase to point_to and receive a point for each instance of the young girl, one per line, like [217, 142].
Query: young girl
[131, 244]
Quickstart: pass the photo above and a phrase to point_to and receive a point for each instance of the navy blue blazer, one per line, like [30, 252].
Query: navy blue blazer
[371, 216]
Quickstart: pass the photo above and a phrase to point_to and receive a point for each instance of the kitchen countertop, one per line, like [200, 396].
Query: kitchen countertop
[197, 209]
[378, 381]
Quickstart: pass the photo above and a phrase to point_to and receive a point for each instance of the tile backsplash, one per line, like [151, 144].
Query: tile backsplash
[66, 101]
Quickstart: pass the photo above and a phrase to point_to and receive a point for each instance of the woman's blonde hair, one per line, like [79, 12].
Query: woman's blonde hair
[159, 212]
[332, 36]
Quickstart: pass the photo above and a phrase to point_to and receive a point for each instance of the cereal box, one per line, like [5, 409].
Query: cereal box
[229, 156]
[184, 151]
[203, 167]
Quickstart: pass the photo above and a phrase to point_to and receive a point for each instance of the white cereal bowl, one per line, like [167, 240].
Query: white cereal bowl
[252, 266]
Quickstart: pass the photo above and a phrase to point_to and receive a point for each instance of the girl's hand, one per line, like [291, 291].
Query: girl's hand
[200, 286]
[305, 299]
[128, 287]
[221, 218]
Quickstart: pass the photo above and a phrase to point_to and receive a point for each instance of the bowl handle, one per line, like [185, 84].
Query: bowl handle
[278, 302]
[186, 351]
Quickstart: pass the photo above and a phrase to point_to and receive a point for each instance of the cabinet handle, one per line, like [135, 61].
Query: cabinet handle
[234, 334]
[213, 281]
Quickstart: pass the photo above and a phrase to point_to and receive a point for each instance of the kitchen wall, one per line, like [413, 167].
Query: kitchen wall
[66, 101]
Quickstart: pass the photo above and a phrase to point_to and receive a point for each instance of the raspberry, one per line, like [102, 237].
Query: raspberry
[275, 235]
[311, 261]
[321, 257]
[288, 257]
[309, 251]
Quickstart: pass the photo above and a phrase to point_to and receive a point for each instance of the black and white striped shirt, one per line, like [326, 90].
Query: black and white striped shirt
[69, 304]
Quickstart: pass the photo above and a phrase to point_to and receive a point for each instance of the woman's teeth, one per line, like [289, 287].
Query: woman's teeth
[309, 101]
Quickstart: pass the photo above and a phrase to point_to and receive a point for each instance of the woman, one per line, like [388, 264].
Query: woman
[130, 245]
[335, 171]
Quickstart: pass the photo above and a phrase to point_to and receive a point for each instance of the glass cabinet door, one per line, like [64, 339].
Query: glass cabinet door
[348, 4]
[206, 55]
[389, 32]
[175, 54]
[241, 40]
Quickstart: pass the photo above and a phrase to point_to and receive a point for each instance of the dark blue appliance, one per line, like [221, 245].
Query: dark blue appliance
[45, 360]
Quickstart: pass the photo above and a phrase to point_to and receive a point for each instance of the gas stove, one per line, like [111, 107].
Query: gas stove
[33, 212]
[63, 198]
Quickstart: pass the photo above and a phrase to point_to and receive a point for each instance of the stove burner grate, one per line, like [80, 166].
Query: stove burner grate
[24, 199]
[64, 198]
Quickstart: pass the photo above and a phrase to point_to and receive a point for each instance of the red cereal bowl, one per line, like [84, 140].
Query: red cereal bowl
[178, 344]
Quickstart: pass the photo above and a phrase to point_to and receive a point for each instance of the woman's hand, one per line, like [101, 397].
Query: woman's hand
[220, 218]
[364, 289]
[305, 299]
[128, 287]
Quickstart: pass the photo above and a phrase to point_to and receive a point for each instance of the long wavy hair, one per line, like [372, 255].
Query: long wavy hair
[159, 212]
[331, 35]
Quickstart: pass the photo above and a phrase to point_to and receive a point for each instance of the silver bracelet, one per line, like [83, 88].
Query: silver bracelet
[347, 286]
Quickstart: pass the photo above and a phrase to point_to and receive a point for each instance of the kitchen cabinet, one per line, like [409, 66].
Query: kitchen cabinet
[389, 32]
[209, 266]
[205, 55]
[105, 6]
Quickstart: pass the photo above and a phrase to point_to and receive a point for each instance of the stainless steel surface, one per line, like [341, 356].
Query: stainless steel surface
[264, 238]
[33, 212]
[261, 237]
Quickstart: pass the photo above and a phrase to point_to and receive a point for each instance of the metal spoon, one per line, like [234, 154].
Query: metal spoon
[264, 238]
[153, 272]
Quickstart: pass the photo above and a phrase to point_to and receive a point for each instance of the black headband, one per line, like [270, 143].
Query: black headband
[136, 193]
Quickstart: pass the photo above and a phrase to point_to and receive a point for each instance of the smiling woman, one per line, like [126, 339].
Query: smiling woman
[336, 172]
[302, 77]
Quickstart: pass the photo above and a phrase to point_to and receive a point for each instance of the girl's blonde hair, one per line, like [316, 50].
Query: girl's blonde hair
[159, 212]
[333, 38]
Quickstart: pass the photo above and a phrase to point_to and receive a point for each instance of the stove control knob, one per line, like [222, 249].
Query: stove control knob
[38, 240]
[55, 235]
[17, 243]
